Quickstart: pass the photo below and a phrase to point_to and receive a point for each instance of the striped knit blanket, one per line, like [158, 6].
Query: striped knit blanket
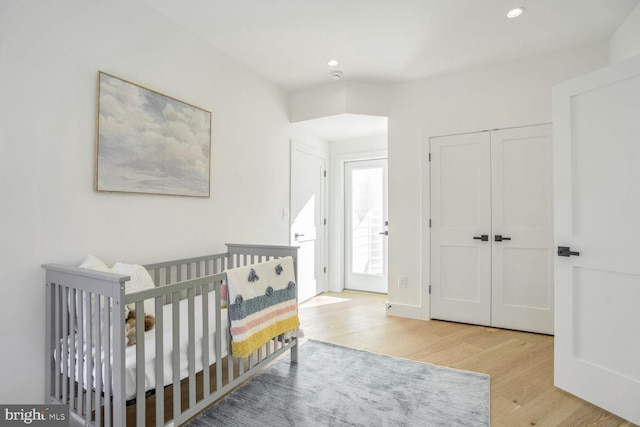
[262, 304]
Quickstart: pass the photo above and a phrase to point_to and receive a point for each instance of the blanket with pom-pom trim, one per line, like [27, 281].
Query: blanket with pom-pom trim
[262, 304]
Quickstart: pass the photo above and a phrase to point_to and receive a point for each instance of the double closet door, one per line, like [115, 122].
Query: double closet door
[492, 228]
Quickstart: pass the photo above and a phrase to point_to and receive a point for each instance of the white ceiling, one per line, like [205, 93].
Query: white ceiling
[389, 41]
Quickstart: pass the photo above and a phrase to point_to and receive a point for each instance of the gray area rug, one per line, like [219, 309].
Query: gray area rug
[338, 386]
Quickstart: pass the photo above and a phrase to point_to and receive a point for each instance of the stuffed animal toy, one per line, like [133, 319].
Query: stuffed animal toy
[130, 326]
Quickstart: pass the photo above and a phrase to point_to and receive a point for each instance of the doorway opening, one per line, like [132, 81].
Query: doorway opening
[336, 139]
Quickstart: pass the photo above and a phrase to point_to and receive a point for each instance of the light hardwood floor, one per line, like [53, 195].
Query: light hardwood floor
[520, 364]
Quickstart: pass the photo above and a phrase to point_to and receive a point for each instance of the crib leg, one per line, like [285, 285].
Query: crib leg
[294, 352]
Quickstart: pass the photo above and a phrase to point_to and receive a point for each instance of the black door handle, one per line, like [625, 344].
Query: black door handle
[499, 238]
[566, 251]
[484, 237]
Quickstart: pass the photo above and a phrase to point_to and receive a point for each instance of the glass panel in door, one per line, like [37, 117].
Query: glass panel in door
[366, 226]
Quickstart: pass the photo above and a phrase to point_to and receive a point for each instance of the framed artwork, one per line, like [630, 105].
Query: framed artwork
[150, 143]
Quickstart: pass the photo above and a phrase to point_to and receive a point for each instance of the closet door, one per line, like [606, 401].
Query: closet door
[522, 215]
[461, 227]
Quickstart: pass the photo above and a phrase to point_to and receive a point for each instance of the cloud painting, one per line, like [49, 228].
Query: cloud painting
[150, 143]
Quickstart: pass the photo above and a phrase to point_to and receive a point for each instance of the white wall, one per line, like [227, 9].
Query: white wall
[50, 53]
[341, 97]
[502, 95]
[625, 43]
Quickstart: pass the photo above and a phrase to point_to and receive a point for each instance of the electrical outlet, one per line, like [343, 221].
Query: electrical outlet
[402, 282]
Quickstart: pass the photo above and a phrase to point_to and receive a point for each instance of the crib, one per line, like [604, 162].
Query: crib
[90, 368]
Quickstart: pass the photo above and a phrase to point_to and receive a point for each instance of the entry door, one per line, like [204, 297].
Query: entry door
[307, 218]
[521, 217]
[461, 228]
[597, 216]
[366, 225]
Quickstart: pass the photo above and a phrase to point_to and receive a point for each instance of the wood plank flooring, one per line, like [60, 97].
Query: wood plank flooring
[520, 364]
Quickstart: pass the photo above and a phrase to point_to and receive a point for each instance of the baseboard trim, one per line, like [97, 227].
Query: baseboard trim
[404, 310]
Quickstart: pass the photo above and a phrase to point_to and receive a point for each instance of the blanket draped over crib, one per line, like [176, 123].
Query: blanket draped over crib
[262, 304]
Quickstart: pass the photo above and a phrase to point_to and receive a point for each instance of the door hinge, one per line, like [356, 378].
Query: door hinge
[429, 289]
[429, 156]
[325, 270]
[325, 221]
[429, 222]
[325, 174]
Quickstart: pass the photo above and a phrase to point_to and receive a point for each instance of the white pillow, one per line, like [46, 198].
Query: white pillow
[140, 280]
[94, 263]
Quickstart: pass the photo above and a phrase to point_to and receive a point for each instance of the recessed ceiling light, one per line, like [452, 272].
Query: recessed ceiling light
[514, 13]
[332, 63]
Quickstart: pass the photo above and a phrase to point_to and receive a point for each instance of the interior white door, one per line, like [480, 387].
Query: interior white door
[307, 218]
[366, 226]
[522, 226]
[460, 228]
[597, 215]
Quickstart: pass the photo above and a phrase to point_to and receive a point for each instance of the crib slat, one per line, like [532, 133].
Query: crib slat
[89, 364]
[58, 346]
[159, 327]
[230, 358]
[218, 338]
[206, 368]
[167, 280]
[49, 340]
[176, 354]
[140, 372]
[81, 343]
[118, 345]
[65, 343]
[72, 350]
[98, 358]
[192, 345]
[107, 368]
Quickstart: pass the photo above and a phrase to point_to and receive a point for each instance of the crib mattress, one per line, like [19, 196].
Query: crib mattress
[150, 348]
